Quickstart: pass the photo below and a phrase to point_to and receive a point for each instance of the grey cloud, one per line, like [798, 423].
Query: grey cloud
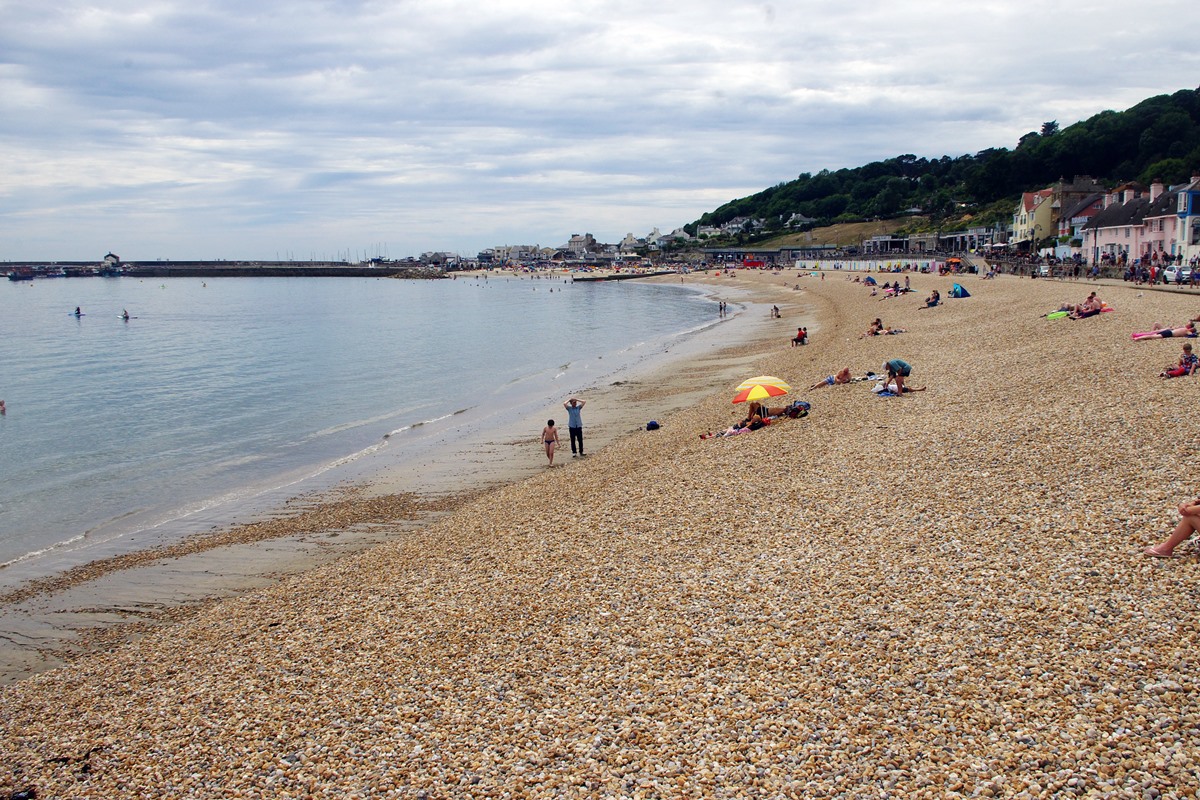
[456, 126]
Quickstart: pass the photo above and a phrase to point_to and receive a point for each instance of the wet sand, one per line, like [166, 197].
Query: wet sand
[931, 596]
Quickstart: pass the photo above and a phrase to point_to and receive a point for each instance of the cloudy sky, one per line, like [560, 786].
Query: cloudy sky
[261, 128]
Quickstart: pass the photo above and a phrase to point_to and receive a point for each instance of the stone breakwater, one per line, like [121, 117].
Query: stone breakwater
[932, 596]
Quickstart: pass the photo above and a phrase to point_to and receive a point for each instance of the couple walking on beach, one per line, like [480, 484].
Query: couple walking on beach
[574, 408]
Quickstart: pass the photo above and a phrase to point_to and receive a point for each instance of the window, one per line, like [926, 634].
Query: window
[1127, 230]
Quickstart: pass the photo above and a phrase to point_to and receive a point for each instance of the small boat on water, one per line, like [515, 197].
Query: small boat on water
[21, 274]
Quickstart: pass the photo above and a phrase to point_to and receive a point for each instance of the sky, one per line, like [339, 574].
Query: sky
[262, 129]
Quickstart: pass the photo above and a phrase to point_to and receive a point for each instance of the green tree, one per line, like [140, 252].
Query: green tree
[1169, 171]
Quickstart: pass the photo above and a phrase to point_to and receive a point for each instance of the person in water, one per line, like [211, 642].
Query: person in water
[78, 313]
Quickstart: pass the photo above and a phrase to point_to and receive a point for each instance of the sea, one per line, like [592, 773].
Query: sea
[220, 398]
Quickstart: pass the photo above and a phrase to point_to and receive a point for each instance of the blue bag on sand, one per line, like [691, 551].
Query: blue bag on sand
[652, 425]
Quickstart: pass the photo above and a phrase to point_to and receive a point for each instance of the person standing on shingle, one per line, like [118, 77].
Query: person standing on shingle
[574, 408]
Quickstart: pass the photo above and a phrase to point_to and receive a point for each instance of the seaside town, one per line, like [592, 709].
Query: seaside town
[1130, 230]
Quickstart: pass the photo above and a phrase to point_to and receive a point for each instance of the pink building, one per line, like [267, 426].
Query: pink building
[1113, 235]
[1160, 226]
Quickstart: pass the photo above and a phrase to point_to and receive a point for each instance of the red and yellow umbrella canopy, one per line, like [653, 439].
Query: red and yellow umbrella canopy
[761, 388]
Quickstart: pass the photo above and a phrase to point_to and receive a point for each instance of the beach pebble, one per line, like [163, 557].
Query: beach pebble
[931, 596]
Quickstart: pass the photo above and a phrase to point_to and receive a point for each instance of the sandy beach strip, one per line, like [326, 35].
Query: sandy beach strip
[938, 595]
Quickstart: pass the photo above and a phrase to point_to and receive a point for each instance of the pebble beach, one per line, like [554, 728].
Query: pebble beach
[936, 595]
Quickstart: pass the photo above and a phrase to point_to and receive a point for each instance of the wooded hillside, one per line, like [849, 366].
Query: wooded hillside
[1158, 138]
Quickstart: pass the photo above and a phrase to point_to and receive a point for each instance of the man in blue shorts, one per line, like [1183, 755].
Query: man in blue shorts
[897, 371]
[574, 408]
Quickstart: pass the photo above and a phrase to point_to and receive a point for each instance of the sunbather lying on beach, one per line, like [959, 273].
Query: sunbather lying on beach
[1189, 524]
[761, 417]
[842, 377]
[1187, 332]
[747, 425]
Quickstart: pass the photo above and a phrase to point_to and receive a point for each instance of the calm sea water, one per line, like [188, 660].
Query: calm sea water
[221, 391]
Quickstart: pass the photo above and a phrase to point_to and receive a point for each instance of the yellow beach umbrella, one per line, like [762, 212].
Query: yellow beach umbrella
[763, 387]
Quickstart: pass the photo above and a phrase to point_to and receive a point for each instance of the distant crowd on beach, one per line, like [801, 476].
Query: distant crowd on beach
[894, 380]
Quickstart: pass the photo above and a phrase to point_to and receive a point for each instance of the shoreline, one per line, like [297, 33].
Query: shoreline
[50, 620]
[936, 595]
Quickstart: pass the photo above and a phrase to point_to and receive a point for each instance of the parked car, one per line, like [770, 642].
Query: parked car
[1177, 275]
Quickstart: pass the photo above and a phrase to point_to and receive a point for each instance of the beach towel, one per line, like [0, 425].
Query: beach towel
[958, 291]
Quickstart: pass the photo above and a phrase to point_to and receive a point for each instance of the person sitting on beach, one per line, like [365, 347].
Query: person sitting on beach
[801, 337]
[1188, 362]
[842, 377]
[874, 328]
[755, 409]
[932, 300]
[752, 422]
[1187, 332]
[1189, 511]
[1088, 308]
